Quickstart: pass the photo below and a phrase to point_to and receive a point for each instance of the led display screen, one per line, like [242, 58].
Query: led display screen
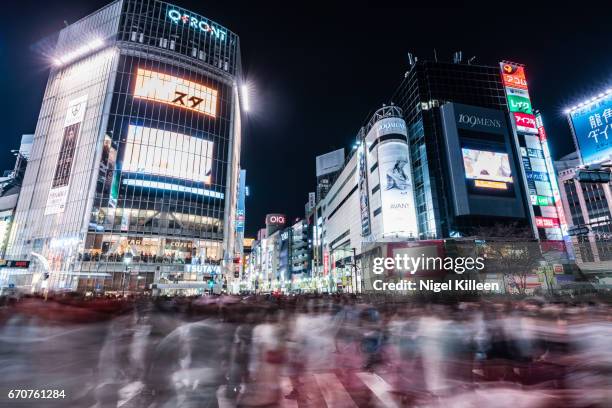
[175, 91]
[593, 129]
[488, 166]
[169, 154]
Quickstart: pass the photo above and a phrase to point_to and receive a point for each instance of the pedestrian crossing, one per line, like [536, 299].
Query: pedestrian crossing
[332, 390]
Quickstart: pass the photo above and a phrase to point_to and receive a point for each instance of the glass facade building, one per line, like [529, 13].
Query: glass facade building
[426, 87]
[132, 182]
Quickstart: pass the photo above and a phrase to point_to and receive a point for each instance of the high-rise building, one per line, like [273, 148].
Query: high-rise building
[10, 187]
[584, 183]
[327, 165]
[135, 160]
[588, 207]
[457, 117]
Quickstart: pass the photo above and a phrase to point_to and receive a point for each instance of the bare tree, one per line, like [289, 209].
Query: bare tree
[512, 251]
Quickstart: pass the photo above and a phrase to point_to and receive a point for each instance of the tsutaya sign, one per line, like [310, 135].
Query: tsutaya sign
[197, 23]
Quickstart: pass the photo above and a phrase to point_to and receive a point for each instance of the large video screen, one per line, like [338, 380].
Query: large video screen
[593, 128]
[175, 91]
[486, 166]
[169, 154]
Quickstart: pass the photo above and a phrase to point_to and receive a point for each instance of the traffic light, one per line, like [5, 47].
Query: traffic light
[593, 176]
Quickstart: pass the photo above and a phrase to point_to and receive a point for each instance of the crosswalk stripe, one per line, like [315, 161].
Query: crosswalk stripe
[333, 391]
[379, 387]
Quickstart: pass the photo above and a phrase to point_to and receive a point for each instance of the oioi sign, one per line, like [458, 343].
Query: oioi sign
[197, 23]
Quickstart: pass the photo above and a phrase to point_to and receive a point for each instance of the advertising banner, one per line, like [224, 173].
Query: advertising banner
[525, 123]
[58, 194]
[593, 130]
[398, 212]
[513, 76]
[240, 205]
[329, 162]
[519, 104]
[364, 198]
[547, 222]
[485, 165]
[169, 154]
[175, 91]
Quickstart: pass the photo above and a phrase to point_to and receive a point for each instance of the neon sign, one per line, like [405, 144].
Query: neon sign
[194, 22]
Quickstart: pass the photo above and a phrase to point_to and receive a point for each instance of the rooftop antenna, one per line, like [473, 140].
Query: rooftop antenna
[411, 59]
[457, 57]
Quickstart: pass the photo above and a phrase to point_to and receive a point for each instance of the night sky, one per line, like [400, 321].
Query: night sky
[317, 72]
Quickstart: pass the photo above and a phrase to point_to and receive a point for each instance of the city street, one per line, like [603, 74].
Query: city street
[305, 352]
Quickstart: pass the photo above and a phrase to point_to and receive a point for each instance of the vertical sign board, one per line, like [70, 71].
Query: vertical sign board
[364, 199]
[240, 210]
[536, 161]
[312, 201]
[398, 212]
[58, 194]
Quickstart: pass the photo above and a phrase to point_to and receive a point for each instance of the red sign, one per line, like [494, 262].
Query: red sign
[514, 76]
[325, 263]
[542, 133]
[275, 219]
[525, 122]
[546, 222]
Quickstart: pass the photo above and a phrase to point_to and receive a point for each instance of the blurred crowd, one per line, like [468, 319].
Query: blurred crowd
[314, 351]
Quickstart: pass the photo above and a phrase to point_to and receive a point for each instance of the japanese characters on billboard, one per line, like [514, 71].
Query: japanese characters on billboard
[364, 199]
[513, 76]
[525, 123]
[168, 154]
[547, 222]
[537, 164]
[592, 127]
[58, 194]
[240, 205]
[175, 91]
[398, 212]
[519, 104]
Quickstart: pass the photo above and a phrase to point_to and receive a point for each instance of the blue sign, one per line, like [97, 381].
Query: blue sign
[197, 23]
[593, 129]
[240, 205]
[536, 176]
[535, 153]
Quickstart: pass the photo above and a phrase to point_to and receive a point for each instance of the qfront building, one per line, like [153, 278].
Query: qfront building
[132, 181]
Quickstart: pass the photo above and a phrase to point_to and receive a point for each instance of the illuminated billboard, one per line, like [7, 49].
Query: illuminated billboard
[513, 76]
[399, 215]
[525, 123]
[175, 91]
[168, 154]
[487, 166]
[58, 194]
[518, 103]
[592, 126]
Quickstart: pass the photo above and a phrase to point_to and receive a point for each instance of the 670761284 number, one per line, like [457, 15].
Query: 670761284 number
[36, 394]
